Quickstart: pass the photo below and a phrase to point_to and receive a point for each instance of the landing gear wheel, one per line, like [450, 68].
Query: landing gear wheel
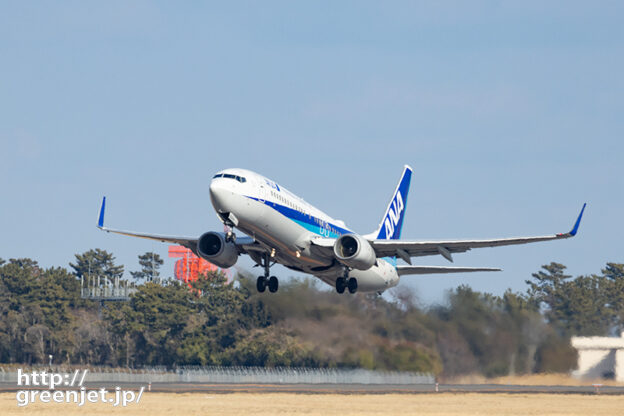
[352, 284]
[341, 284]
[261, 284]
[273, 284]
[264, 281]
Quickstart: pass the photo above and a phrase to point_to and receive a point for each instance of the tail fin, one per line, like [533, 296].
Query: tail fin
[392, 221]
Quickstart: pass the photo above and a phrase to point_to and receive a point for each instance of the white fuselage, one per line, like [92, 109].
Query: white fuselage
[285, 224]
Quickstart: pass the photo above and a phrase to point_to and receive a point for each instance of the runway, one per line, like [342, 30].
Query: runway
[225, 388]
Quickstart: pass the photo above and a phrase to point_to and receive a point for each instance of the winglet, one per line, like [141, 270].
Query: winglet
[578, 221]
[101, 219]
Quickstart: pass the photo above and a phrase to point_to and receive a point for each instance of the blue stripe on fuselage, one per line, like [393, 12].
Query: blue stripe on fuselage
[309, 222]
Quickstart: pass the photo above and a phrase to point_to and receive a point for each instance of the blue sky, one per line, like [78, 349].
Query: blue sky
[510, 115]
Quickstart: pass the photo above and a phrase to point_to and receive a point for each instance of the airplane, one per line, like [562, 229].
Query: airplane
[282, 228]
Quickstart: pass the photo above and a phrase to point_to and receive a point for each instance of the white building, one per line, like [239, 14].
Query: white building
[599, 357]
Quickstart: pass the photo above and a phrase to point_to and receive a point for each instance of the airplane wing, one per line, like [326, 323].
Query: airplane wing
[403, 270]
[244, 244]
[407, 249]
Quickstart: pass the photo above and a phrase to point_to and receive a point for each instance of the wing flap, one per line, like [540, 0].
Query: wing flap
[403, 270]
[428, 248]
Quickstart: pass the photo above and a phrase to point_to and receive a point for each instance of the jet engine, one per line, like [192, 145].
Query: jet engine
[355, 251]
[212, 246]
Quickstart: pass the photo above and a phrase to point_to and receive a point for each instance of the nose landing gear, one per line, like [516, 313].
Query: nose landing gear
[230, 237]
[273, 284]
[265, 281]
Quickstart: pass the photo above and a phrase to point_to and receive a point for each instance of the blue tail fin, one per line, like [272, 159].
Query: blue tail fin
[392, 221]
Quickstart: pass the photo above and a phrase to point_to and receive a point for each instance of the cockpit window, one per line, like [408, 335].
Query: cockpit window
[241, 179]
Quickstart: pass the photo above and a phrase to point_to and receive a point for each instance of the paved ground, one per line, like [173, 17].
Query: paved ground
[345, 388]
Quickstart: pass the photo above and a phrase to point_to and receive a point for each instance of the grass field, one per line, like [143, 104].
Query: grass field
[440, 404]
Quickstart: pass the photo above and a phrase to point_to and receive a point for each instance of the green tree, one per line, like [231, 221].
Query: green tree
[544, 289]
[36, 311]
[527, 331]
[493, 335]
[97, 262]
[150, 263]
[614, 292]
[573, 306]
[150, 327]
[270, 347]
[175, 324]
[223, 314]
[478, 319]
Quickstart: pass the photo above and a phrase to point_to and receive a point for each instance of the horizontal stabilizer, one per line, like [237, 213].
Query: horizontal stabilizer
[403, 270]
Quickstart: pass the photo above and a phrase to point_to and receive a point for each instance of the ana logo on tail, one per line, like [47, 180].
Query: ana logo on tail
[392, 222]
[394, 214]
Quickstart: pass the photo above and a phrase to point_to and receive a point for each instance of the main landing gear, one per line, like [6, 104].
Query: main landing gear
[265, 281]
[346, 282]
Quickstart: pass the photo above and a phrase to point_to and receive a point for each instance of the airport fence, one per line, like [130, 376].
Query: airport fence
[234, 375]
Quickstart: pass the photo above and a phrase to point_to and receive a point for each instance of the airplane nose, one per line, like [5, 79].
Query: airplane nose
[218, 195]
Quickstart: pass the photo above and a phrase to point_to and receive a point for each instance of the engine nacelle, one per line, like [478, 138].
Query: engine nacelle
[213, 247]
[355, 251]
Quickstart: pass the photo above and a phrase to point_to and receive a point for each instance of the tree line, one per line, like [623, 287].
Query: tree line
[215, 321]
